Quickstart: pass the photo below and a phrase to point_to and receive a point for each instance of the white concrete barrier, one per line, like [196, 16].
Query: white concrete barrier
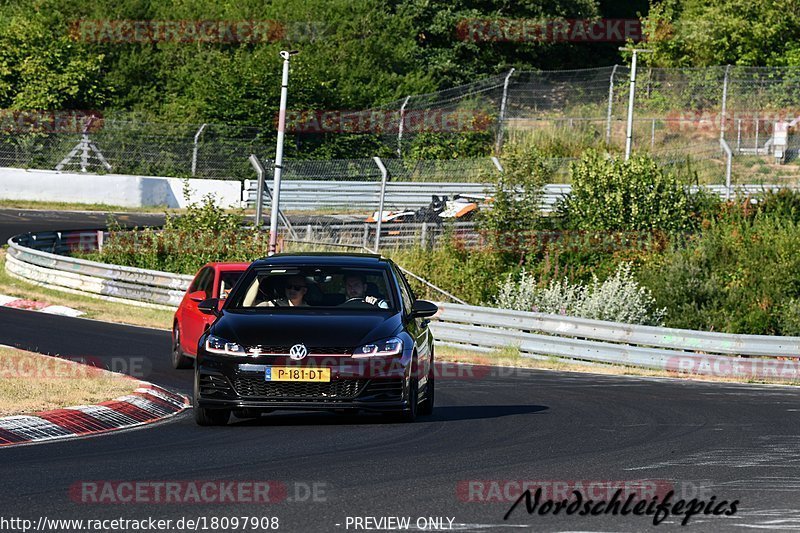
[112, 189]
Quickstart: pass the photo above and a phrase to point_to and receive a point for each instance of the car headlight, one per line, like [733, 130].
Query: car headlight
[220, 346]
[391, 346]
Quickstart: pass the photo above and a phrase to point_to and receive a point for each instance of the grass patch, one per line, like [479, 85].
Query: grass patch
[70, 206]
[33, 382]
[93, 307]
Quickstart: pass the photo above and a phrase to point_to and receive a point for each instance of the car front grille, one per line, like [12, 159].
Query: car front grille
[284, 350]
[255, 386]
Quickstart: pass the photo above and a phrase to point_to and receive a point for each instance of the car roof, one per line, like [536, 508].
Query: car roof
[218, 265]
[322, 259]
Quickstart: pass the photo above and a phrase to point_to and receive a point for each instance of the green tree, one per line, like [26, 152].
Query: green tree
[697, 33]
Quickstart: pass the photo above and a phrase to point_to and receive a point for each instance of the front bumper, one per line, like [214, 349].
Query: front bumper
[378, 384]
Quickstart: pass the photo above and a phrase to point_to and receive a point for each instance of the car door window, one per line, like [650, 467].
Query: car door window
[204, 281]
[405, 292]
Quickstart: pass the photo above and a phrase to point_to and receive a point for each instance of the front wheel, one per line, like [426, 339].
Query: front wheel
[410, 414]
[179, 360]
[426, 407]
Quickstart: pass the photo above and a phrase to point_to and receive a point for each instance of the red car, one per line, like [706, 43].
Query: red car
[214, 280]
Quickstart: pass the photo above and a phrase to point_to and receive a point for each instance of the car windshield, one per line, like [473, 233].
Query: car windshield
[314, 287]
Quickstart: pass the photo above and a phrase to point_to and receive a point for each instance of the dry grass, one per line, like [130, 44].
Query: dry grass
[31, 382]
[69, 206]
[93, 307]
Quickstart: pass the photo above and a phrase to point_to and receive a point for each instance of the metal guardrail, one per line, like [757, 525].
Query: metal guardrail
[326, 194]
[536, 335]
[31, 257]
[595, 341]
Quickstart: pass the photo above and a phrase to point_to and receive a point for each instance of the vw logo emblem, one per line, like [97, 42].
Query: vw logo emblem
[298, 351]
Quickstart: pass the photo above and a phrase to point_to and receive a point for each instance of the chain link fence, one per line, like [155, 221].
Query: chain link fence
[680, 117]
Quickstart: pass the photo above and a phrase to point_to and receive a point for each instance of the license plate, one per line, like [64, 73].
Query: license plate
[288, 373]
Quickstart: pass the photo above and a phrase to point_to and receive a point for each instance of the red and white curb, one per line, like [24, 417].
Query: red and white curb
[33, 305]
[147, 404]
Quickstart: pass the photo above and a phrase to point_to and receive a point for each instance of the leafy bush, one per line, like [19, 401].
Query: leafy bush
[470, 274]
[739, 275]
[516, 197]
[619, 298]
[204, 233]
[611, 194]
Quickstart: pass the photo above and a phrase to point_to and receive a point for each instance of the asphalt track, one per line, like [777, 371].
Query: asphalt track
[16, 221]
[729, 441]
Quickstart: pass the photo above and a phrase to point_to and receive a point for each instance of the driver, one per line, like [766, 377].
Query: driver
[355, 287]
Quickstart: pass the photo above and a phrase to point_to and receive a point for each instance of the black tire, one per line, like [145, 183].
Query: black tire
[426, 407]
[179, 359]
[410, 414]
[208, 417]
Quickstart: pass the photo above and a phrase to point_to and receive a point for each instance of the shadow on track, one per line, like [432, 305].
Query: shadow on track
[440, 414]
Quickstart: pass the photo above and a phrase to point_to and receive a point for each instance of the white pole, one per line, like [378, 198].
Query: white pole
[629, 133]
[276, 185]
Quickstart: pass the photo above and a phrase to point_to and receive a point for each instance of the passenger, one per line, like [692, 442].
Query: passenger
[295, 290]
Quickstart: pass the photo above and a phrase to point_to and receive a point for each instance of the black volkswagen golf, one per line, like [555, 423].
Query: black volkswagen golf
[316, 332]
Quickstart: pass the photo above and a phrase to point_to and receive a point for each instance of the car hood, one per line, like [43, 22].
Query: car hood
[312, 328]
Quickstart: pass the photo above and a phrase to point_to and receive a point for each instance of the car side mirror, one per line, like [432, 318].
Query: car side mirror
[209, 306]
[197, 296]
[422, 308]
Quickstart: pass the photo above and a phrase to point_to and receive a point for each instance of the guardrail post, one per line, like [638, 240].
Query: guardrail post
[423, 236]
[365, 239]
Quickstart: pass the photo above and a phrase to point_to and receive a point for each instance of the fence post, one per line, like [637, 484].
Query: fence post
[756, 145]
[629, 129]
[738, 135]
[400, 126]
[502, 117]
[610, 104]
[727, 149]
[497, 164]
[384, 179]
[653, 135]
[194, 149]
[724, 102]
